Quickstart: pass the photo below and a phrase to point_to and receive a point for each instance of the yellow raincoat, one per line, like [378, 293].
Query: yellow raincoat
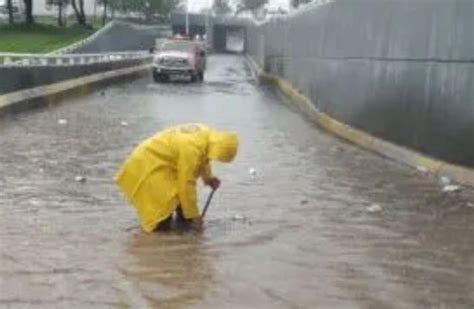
[161, 173]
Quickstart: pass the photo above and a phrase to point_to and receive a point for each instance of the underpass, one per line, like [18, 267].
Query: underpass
[304, 232]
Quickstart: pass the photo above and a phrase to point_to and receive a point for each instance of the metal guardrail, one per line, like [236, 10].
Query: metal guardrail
[16, 60]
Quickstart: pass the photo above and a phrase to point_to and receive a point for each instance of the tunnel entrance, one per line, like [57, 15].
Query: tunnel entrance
[196, 24]
[229, 39]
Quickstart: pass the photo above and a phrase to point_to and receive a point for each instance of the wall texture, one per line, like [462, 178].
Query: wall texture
[125, 37]
[397, 69]
[18, 78]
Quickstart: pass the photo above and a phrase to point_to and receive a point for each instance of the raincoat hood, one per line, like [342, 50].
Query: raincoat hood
[222, 146]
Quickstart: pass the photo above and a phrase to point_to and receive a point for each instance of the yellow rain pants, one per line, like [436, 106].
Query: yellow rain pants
[161, 173]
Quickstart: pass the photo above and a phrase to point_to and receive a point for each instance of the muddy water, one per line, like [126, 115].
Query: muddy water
[297, 235]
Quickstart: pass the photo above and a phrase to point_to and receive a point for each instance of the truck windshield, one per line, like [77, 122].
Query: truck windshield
[177, 46]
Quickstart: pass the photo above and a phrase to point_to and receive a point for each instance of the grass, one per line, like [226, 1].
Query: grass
[39, 38]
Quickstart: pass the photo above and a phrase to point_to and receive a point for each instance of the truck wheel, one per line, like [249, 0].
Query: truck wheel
[156, 77]
[160, 78]
[201, 76]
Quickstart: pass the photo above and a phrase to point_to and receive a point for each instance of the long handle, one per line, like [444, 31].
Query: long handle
[209, 199]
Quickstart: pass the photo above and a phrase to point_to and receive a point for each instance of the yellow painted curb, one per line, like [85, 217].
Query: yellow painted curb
[460, 174]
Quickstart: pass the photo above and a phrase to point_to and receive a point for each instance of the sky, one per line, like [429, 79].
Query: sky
[196, 5]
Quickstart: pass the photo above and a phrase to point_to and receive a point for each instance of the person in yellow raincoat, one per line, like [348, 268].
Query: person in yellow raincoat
[160, 175]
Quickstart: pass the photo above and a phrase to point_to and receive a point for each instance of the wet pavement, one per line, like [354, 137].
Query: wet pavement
[322, 224]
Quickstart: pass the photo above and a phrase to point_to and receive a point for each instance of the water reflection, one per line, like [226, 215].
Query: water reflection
[171, 270]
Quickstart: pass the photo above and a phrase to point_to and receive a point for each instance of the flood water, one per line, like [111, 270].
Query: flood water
[298, 234]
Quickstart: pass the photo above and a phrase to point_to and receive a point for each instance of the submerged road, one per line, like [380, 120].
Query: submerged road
[305, 232]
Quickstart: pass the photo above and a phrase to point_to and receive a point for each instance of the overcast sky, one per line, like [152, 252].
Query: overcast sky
[196, 5]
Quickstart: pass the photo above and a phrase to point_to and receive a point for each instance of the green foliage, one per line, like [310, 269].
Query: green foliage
[251, 5]
[38, 38]
[61, 5]
[57, 2]
[148, 8]
[221, 7]
[296, 3]
[78, 6]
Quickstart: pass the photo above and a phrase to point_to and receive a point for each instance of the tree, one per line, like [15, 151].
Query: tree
[253, 6]
[105, 3]
[79, 12]
[221, 7]
[11, 20]
[61, 5]
[148, 8]
[29, 12]
[109, 5]
[296, 3]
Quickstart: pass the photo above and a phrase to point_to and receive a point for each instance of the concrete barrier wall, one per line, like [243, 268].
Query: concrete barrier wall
[399, 70]
[47, 95]
[18, 78]
[125, 37]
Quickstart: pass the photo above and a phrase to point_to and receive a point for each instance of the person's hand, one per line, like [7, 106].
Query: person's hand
[214, 183]
[196, 224]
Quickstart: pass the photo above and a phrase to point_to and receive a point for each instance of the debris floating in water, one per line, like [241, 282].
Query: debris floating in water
[35, 202]
[62, 122]
[304, 202]
[238, 218]
[451, 188]
[445, 181]
[80, 179]
[374, 208]
[124, 123]
[470, 204]
[422, 169]
[252, 172]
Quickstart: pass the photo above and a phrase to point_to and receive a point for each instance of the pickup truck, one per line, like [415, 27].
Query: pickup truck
[179, 58]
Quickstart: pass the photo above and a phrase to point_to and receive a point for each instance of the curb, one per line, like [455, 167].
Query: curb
[49, 94]
[460, 174]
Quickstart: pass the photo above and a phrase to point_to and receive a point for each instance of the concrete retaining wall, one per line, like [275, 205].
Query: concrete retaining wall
[49, 94]
[122, 36]
[399, 70]
[14, 78]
